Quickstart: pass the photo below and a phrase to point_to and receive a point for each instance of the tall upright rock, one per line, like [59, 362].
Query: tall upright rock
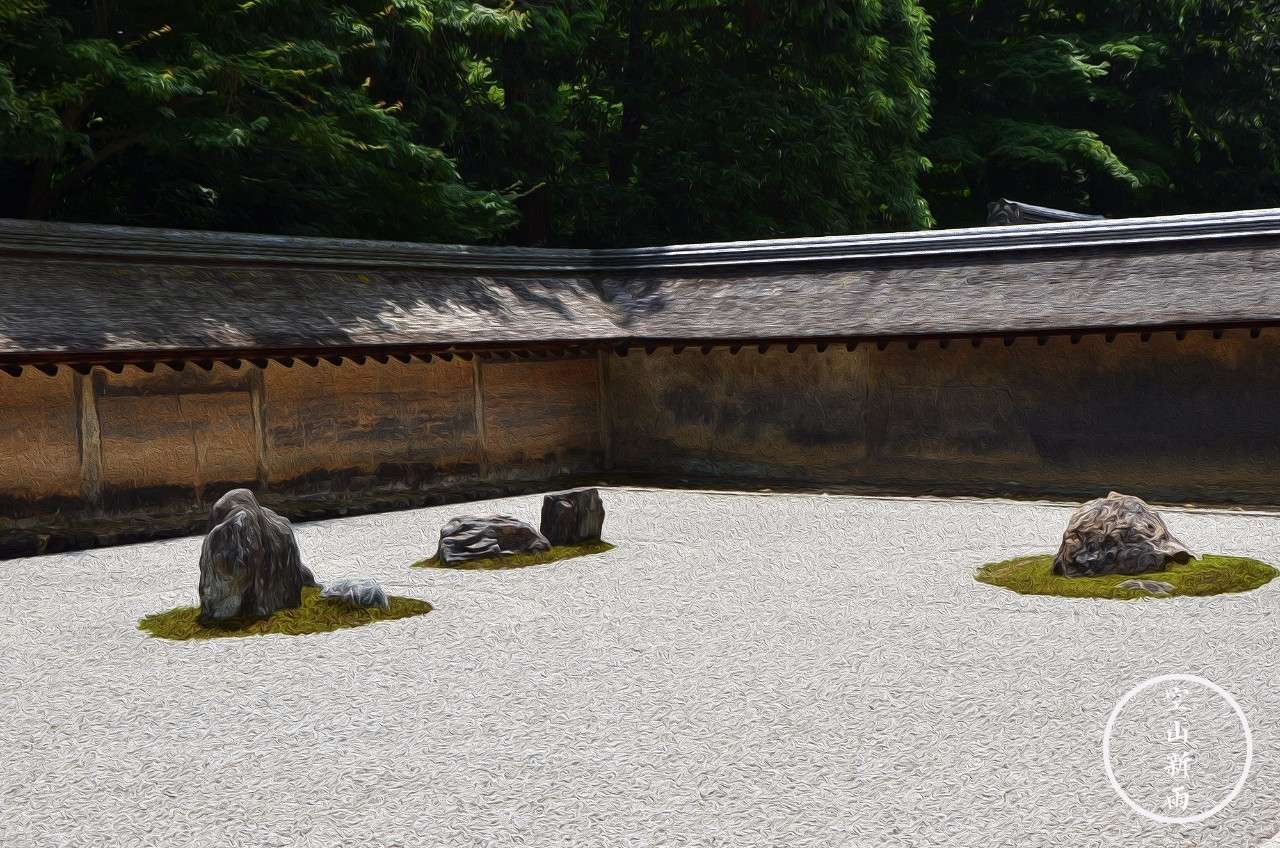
[250, 565]
[572, 517]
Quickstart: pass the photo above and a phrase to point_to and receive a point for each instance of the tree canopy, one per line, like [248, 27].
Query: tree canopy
[678, 120]
[236, 114]
[1138, 108]
[624, 122]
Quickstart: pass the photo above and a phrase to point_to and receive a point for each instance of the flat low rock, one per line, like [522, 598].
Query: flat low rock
[472, 537]
[1118, 534]
[1151, 587]
[357, 592]
[573, 516]
[250, 565]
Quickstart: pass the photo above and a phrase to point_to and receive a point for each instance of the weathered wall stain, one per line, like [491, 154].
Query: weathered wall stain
[39, 457]
[1186, 412]
[311, 440]
[1192, 419]
[170, 433]
[749, 412]
[946, 422]
[328, 417]
[1197, 418]
[546, 416]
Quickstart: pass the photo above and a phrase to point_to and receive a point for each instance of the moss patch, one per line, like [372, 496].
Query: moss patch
[1208, 575]
[556, 554]
[316, 615]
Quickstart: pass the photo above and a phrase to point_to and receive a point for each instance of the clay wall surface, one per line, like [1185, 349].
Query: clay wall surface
[111, 457]
[1192, 419]
[39, 442]
[542, 418]
[395, 424]
[167, 437]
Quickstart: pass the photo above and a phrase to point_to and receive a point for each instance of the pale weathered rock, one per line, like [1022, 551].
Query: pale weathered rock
[357, 592]
[1151, 587]
[1118, 534]
[572, 517]
[249, 565]
[469, 537]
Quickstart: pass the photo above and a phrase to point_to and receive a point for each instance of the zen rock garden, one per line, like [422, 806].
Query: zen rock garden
[253, 580]
[1119, 547]
[833, 618]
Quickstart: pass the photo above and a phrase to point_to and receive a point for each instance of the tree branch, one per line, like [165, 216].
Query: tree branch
[45, 197]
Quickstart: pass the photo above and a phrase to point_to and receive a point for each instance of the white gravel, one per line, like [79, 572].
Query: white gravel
[742, 670]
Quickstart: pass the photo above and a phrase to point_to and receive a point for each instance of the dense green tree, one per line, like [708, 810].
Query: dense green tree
[1145, 107]
[237, 114]
[601, 121]
[655, 121]
[615, 122]
[504, 117]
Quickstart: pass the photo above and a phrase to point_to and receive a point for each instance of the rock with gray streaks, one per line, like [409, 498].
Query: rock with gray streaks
[471, 537]
[250, 565]
[574, 516]
[1118, 534]
[357, 592]
[1151, 587]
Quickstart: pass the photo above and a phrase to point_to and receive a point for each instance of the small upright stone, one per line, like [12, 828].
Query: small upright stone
[249, 564]
[572, 517]
[357, 592]
[1118, 534]
[471, 537]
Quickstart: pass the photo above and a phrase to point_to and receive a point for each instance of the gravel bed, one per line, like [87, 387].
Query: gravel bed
[741, 670]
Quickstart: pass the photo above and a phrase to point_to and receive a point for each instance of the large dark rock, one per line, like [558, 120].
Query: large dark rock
[470, 537]
[1118, 534]
[250, 565]
[572, 517]
[357, 592]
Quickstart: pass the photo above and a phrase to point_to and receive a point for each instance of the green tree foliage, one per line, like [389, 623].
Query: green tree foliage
[622, 122]
[235, 114]
[1145, 107]
[657, 121]
[605, 122]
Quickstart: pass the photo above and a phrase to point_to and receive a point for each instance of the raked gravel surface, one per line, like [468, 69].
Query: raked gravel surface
[742, 670]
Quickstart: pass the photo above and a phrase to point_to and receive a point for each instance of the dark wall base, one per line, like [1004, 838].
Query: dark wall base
[56, 535]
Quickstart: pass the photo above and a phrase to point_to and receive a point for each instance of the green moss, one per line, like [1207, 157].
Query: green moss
[1208, 575]
[556, 554]
[316, 615]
